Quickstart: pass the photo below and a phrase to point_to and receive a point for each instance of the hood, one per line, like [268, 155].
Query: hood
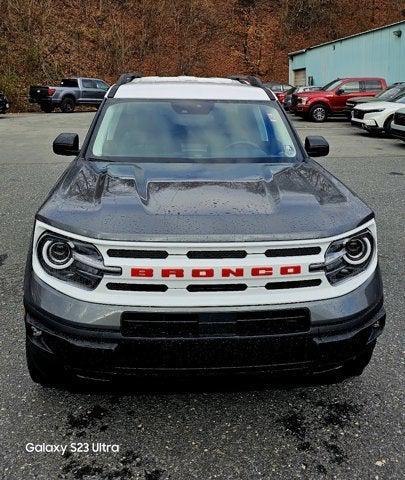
[201, 202]
[377, 105]
[357, 100]
[315, 93]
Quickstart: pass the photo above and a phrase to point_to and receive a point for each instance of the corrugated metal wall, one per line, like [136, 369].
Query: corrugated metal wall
[378, 53]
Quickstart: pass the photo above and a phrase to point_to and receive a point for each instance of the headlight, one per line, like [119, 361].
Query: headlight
[377, 110]
[73, 261]
[347, 257]
[303, 100]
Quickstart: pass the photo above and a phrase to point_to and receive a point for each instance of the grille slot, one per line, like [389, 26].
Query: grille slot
[293, 284]
[228, 287]
[358, 114]
[291, 252]
[126, 253]
[136, 287]
[217, 254]
[227, 324]
[399, 118]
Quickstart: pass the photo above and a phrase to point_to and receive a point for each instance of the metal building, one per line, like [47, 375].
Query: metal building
[375, 53]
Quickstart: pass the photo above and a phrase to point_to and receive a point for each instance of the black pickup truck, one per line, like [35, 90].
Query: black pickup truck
[70, 92]
[4, 103]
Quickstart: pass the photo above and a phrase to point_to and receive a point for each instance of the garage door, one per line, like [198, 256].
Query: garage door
[300, 77]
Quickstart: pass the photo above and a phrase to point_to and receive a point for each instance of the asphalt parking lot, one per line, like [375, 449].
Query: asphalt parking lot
[352, 430]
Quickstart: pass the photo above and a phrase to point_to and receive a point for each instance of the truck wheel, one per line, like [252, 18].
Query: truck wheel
[42, 370]
[67, 105]
[355, 367]
[318, 113]
[46, 108]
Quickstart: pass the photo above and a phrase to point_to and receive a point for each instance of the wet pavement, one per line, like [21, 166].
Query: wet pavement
[214, 430]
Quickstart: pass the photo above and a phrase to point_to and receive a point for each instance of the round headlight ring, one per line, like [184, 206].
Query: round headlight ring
[57, 253]
[358, 250]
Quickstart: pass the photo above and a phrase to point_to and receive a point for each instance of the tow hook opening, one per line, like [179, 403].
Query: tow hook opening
[36, 332]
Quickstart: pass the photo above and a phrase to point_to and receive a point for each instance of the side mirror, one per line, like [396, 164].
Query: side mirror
[66, 144]
[316, 146]
[340, 91]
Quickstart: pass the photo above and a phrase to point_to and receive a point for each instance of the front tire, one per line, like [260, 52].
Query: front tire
[318, 113]
[43, 370]
[68, 105]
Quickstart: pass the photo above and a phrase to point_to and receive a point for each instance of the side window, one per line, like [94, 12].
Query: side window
[372, 85]
[88, 83]
[101, 85]
[350, 87]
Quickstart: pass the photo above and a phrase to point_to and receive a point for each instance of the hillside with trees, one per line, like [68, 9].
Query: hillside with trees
[44, 40]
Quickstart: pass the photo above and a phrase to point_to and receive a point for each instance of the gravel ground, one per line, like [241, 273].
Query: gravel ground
[207, 431]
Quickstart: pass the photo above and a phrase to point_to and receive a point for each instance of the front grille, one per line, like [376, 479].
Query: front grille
[399, 118]
[137, 287]
[292, 252]
[358, 114]
[217, 254]
[293, 284]
[123, 253]
[226, 287]
[235, 323]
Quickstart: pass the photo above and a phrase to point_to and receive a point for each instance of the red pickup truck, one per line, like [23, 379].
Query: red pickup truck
[331, 99]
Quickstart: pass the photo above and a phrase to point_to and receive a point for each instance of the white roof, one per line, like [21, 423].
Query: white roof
[190, 88]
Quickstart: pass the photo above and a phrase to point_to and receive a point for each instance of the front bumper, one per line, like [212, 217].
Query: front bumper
[337, 331]
[366, 124]
[301, 108]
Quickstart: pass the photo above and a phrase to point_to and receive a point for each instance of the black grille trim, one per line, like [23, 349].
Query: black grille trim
[292, 252]
[217, 254]
[293, 284]
[137, 287]
[358, 114]
[127, 253]
[210, 324]
[227, 287]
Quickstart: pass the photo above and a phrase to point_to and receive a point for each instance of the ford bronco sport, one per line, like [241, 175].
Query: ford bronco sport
[193, 233]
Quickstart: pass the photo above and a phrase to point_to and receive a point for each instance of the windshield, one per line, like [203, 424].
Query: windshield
[330, 86]
[400, 99]
[391, 93]
[192, 129]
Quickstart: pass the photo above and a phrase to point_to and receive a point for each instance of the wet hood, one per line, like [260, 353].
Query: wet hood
[201, 202]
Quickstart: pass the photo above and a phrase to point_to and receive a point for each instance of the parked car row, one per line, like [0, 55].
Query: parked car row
[331, 99]
[367, 102]
[378, 116]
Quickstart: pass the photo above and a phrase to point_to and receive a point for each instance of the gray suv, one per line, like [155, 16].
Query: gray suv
[193, 233]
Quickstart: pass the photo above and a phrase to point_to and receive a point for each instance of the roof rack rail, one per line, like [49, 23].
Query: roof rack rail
[122, 80]
[254, 82]
[247, 79]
